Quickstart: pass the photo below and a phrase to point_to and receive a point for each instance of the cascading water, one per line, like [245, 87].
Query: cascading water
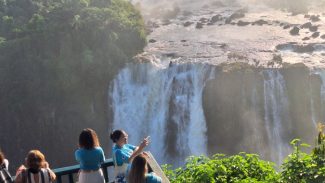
[321, 73]
[314, 118]
[276, 113]
[164, 102]
[320, 117]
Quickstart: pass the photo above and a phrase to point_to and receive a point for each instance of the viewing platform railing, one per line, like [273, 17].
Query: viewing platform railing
[71, 170]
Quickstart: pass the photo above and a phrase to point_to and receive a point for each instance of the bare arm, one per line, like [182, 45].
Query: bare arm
[139, 149]
[52, 174]
[19, 178]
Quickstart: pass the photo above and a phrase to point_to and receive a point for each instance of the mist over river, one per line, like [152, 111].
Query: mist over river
[223, 77]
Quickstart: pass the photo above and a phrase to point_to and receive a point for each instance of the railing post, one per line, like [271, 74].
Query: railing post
[71, 178]
[59, 179]
[105, 173]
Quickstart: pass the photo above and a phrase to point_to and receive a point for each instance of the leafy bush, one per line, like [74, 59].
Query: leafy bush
[222, 169]
[298, 167]
[303, 167]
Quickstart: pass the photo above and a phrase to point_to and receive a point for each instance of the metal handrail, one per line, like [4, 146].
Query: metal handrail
[70, 170]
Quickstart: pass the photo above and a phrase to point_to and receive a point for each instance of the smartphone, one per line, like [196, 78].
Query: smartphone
[148, 138]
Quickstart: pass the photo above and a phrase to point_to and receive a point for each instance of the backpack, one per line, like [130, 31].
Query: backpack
[5, 176]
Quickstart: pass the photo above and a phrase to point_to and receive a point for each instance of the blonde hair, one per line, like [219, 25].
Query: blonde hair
[35, 160]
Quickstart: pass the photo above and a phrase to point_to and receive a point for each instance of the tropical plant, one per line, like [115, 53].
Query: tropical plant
[298, 167]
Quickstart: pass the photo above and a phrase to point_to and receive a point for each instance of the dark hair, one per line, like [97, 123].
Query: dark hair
[138, 169]
[35, 160]
[88, 139]
[2, 157]
[116, 135]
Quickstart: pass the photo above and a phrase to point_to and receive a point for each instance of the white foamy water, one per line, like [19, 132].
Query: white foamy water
[163, 102]
[321, 74]
[166, 102]
[276, 113]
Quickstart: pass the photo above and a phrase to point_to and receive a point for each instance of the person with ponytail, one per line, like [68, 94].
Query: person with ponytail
[139, 171]
[36, 169]
[123, 153]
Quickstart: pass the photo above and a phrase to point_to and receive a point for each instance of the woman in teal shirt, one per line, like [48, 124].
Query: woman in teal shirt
[139, 172]
[90, 156]
[123, 153]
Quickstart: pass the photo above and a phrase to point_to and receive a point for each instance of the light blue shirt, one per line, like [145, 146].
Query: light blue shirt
[90, 159]
[152, 178]
[122, 155]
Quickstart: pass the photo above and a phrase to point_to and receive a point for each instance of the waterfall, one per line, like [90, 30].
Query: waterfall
[164, 102]
[312, 106]
[321, 74]
[276, 113]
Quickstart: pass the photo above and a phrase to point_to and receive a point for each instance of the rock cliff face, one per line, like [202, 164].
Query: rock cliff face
[193, 109]
[261, 110]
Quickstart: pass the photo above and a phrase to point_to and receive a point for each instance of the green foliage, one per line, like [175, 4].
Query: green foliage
[221, 169]
[2, 40]
[303, 167]
[319, 150]
[298, 167]
[36, 23]
[57, 60]
[67, 46]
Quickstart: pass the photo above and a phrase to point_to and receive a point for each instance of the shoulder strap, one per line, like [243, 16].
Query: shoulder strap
[23, 176]
[5, 176]
[2, 177]
[29, 177]
[45, 175]
[48, 174]
[42, 176]
[2, 166]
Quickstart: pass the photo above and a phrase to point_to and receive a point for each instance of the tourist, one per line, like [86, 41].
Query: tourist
[123, 153]
[139, 171]
[36, 169]
[5, 176]
[90, 156]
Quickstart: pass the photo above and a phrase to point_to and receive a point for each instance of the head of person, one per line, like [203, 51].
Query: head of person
[119, 137]
[2, 157]
[35, 160]
[88, 139]
[138, 171]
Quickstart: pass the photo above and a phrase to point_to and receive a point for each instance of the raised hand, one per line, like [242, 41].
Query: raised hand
[145, 142]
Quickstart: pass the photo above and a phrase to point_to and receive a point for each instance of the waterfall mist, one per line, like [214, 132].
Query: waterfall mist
[164, 102]
[228, 88]
[166, 9]
[194, 109]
